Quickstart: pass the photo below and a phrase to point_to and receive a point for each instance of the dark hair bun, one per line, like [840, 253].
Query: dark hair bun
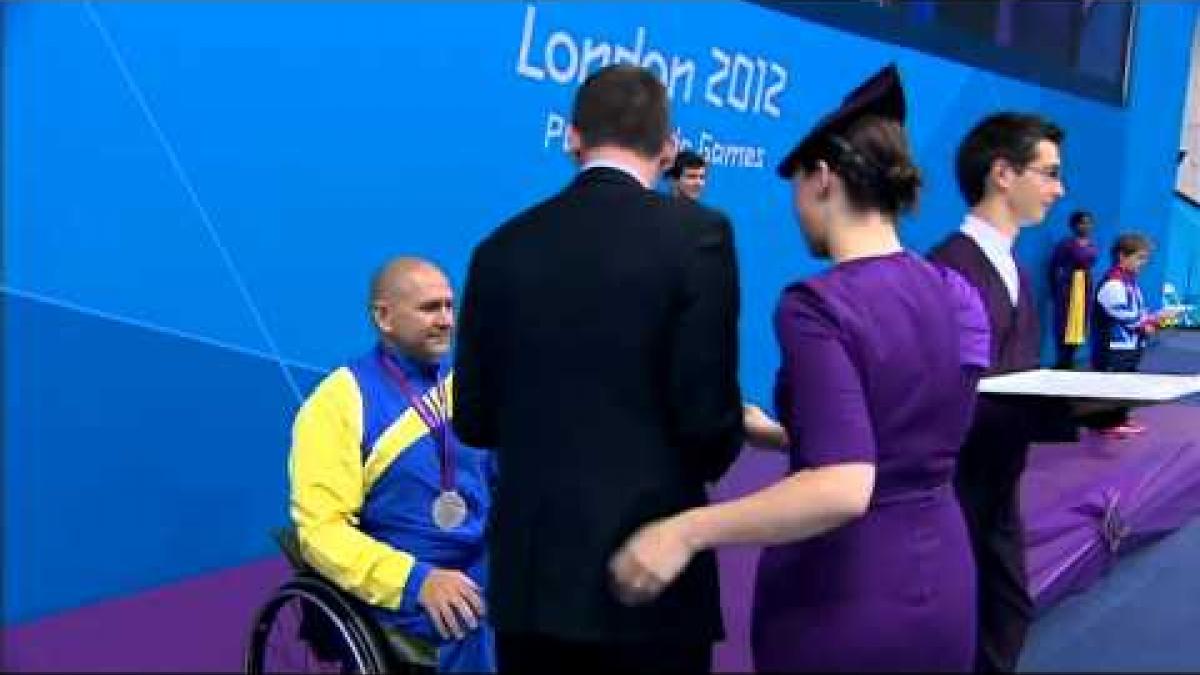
[876, 166]
[902, 182]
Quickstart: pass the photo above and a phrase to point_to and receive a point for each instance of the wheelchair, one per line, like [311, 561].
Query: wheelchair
[309, 625]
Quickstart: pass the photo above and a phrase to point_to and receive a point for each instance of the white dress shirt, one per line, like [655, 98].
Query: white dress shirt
[609, 164]
[998, 249]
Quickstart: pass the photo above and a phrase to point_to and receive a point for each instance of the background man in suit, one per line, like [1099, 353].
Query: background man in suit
[1009, 171]
[597, 356]
[688, 175]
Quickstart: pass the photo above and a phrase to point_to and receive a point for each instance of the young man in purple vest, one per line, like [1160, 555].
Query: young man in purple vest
[1009, 172]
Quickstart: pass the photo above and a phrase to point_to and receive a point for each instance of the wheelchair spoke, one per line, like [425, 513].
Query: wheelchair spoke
[305, 632]
[283, 643]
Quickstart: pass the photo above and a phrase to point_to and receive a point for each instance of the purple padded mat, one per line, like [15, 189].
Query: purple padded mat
[1087, 503]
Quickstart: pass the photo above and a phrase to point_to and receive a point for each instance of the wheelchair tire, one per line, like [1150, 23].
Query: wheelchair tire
[362, 641]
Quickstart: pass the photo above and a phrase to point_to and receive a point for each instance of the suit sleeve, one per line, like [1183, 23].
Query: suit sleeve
[706, 400]
[473, 419]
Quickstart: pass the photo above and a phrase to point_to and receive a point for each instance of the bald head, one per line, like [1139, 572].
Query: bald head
[397, 275]
[412, 306]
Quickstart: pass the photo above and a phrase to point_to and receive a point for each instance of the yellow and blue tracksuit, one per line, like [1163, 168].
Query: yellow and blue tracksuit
[364, 472]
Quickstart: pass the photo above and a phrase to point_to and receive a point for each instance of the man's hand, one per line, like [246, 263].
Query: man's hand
[762, 431]
[453, 602]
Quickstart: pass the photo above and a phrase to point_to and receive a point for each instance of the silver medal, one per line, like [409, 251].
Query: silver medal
[449, 510]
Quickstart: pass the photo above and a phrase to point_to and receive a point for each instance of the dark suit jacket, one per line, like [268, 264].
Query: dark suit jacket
[597, 356]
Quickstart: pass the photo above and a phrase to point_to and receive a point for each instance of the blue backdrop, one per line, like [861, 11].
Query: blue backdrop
[1182, 257]
[195, 195]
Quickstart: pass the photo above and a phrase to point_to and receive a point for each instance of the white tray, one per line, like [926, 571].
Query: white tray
[1131, 387]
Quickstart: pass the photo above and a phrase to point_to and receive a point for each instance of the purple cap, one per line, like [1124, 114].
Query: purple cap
[882, 95]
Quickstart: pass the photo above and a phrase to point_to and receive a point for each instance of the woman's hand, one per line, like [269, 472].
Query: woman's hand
[650, 560]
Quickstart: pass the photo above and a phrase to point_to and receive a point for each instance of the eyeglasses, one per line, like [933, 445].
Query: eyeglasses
[1047, 172]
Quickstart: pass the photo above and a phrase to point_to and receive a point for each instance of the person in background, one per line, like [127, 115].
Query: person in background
[1122, 323]
[688, 175]
[387, 504]
[1009, 171]
[1071, 283]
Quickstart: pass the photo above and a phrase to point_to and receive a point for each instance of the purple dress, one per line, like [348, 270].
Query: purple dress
[880, 359]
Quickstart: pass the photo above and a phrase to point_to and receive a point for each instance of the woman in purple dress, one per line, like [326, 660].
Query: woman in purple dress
[868, 565]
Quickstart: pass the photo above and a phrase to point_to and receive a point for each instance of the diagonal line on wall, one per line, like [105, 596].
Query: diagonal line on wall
[155, 328]
[184, 179]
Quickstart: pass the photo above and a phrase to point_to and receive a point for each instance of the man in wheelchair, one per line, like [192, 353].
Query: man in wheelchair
[386, 503]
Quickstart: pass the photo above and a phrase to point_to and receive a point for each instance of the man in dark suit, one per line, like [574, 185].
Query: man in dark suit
[1009, 171]
[597, 356]
[688, 175]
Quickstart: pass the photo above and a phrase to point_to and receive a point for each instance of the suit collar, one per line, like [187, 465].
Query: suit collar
[607, 173]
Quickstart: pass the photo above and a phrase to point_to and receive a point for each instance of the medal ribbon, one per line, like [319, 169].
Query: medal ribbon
[437, 418]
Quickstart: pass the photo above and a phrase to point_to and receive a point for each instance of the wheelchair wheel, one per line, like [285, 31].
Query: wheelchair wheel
[310, 627]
